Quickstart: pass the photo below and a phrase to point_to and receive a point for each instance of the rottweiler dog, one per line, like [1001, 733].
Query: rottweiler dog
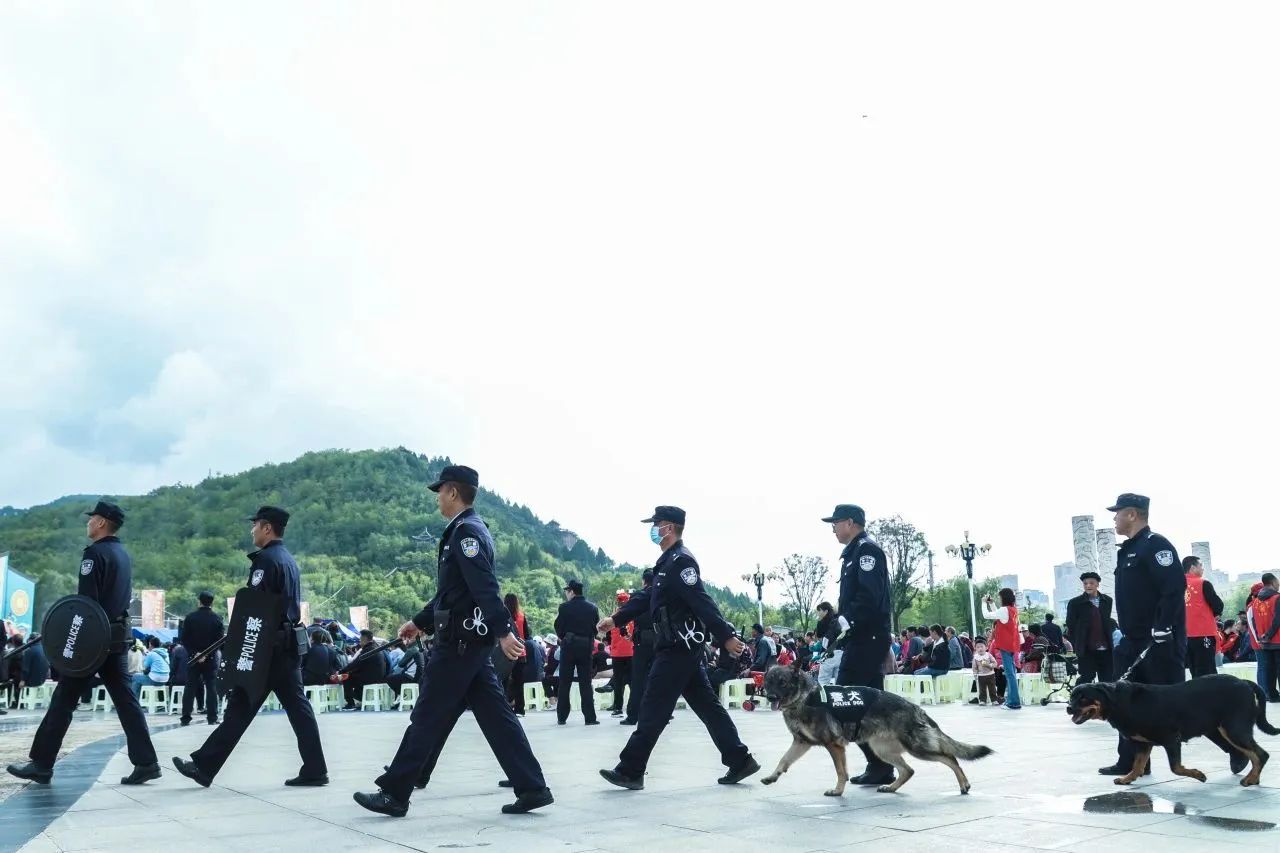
[1222, 708]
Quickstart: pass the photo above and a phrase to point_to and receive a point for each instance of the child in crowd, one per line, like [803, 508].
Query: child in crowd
[984, 667]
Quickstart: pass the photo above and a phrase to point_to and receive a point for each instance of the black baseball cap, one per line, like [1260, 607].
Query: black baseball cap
[673, 514]
[1131, 501]
[273, 515]
[574, 586]
[109, 511]
[850, 512]
[456, 474]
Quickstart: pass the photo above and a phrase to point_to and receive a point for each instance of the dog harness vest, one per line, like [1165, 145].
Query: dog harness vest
[846, 704]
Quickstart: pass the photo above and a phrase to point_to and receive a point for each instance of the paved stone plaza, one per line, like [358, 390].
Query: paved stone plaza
[1033, 794]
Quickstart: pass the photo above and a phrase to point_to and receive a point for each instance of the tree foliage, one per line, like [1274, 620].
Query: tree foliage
[353, 516]
[904, 547]
[802, 580]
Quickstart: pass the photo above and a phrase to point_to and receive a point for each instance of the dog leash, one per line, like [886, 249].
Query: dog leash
[1128, 672]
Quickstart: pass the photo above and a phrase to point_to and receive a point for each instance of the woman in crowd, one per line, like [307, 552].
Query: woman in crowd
[519, 670]
[1004, 641]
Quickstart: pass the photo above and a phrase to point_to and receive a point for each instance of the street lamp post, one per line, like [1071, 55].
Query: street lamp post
[968, 551]
[758, 578]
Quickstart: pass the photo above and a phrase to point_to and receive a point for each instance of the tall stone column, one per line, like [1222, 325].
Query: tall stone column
[1107, 560]
[1086, 545]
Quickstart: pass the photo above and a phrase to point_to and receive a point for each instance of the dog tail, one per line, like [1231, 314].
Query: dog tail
[967, 751]
[1261, 718]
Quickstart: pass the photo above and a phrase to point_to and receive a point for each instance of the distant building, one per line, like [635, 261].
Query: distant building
[1200, 550]
[1036, 598]
[1219, 580]
[1011, 581]
[1066, 586]
[1249, 578]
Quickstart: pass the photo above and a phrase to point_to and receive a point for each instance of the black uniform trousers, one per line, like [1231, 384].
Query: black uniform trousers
[451, 682]
[1162, 665]
[202, 677]
[285, 680]
[1094, 663]
[621, 681]
[575, 665]
[114, 673]
[679, 672]
[861, 665]
[1202, 656]
[641, 663]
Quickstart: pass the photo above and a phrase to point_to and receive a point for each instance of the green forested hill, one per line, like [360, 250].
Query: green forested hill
[353, 515]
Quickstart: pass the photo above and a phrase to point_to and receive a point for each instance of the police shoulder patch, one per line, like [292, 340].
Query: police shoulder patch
[689, 575]
[86, 566]
[257, 577]
[867, 563]
[470, 547]
[1164, 558]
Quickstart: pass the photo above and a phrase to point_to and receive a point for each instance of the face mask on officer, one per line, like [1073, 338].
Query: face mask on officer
[655, 533]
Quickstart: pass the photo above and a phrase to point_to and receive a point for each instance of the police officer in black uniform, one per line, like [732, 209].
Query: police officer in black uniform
[200, 630]
[465, 618]
[863, 615]
[684, 618]
[641, 631]
[274, 570]
[576, 627]
[106, 576]
[1151, 609]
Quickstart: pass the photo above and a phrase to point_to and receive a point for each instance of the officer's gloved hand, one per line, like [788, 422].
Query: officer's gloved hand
[1161, 635]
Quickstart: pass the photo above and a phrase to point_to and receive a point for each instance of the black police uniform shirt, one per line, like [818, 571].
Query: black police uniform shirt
[106, 576]
[864, 585]
[465, 578]
[578, 617]
[1150, 587]
[201, 629]
[273, 569]
[677, 586]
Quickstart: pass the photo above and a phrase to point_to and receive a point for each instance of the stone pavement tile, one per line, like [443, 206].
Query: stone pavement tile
[41, 844]
[113, 837]
[950, 845]
[920, 813]
[1008, 829]
[327, 839]
[100, 797]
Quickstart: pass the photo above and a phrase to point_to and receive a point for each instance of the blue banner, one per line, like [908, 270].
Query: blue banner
[19, 600]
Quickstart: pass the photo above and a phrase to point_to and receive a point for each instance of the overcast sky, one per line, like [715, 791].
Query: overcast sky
[985, 267]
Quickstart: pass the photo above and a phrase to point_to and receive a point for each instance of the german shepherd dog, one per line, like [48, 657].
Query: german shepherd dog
[1222, 708]
[890, 726]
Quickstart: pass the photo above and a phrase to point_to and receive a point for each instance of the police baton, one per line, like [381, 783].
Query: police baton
[207, 653]
[345, 673]
[17, 650]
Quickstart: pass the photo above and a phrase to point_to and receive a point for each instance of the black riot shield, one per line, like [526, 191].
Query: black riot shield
[251, 641]
[77, 635]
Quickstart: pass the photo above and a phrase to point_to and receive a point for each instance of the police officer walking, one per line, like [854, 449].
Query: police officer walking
[641, 631]
[683, 616]
[863, 616]
[106, 576]
[1149, 606]
[465, 618]
[273, 570]
[200, 630]
[576, 627]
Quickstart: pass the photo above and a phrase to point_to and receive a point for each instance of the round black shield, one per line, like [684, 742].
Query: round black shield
[76, 635]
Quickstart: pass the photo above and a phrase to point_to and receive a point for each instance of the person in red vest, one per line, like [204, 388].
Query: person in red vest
[1005, 640]
[1203, 609]
[622, 650]
[1264, 632]
[519, 670]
